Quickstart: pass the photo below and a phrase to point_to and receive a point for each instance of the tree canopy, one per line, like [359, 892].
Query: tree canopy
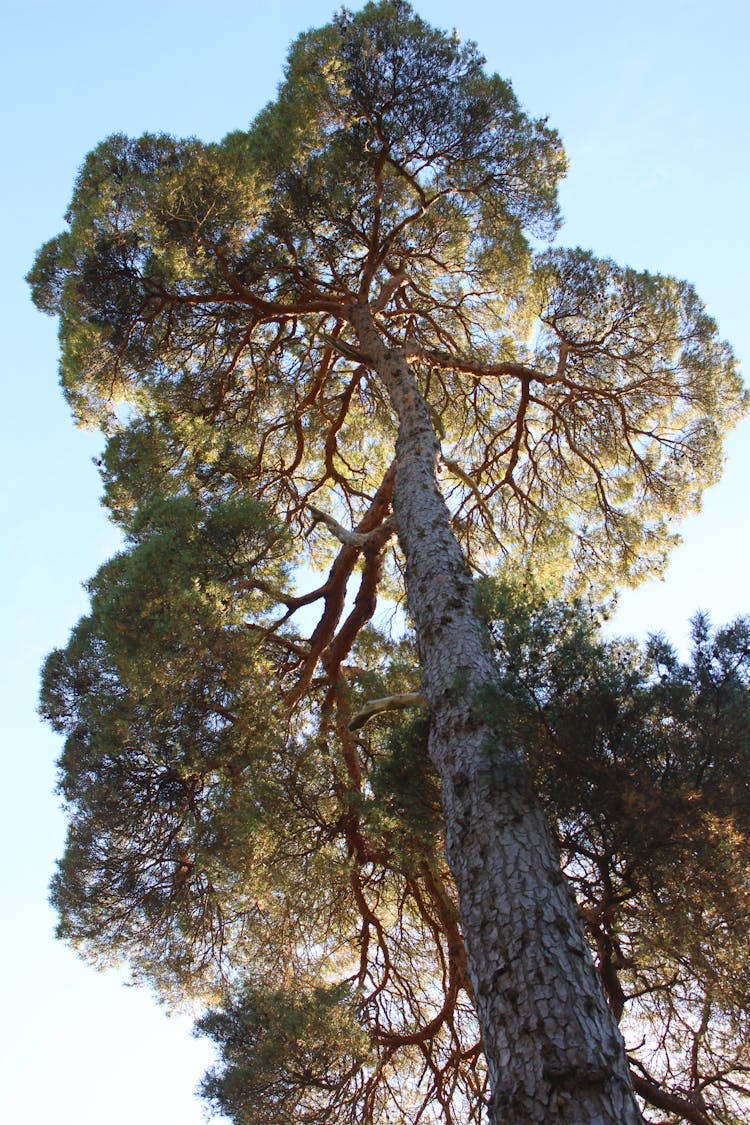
[278, 334]
[205, 295]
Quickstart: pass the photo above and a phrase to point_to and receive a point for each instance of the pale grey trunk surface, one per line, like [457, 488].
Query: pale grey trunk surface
[552, 1045]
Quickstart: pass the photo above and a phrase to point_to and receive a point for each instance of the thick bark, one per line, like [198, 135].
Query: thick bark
[552, 1045]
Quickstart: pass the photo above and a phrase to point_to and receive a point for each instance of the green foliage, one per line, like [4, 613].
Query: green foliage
[288, 1055]
[654, 389]
[158, 691]
[406, 795]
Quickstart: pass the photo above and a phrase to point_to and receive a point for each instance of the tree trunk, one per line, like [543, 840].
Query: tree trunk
[553, 1049]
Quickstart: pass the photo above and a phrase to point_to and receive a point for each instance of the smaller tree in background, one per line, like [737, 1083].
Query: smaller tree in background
[643, 763]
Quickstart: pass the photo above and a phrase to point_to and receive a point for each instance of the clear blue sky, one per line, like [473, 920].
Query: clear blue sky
[651, 100]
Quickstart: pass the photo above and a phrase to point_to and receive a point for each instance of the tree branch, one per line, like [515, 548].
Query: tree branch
[671, 1103]
[358, 539]
[388, 703]
[345, 349]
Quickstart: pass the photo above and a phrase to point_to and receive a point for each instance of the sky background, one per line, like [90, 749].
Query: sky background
[651, 101]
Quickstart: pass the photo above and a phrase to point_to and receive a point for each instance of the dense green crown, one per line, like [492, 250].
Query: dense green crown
[205, 295]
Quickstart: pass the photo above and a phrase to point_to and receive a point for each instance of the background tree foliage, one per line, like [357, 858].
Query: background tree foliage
[233, 835]
[642, 763]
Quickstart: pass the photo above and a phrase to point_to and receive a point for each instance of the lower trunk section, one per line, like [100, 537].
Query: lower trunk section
[553, 1049]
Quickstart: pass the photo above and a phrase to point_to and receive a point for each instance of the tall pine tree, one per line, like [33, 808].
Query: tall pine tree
[319, 339]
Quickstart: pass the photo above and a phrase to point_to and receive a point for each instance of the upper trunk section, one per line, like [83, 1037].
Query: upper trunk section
[553, 1049]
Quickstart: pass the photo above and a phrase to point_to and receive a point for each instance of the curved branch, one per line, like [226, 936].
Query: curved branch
[359, 539]
[671, 1103]
[399, 702]
[335, 585]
